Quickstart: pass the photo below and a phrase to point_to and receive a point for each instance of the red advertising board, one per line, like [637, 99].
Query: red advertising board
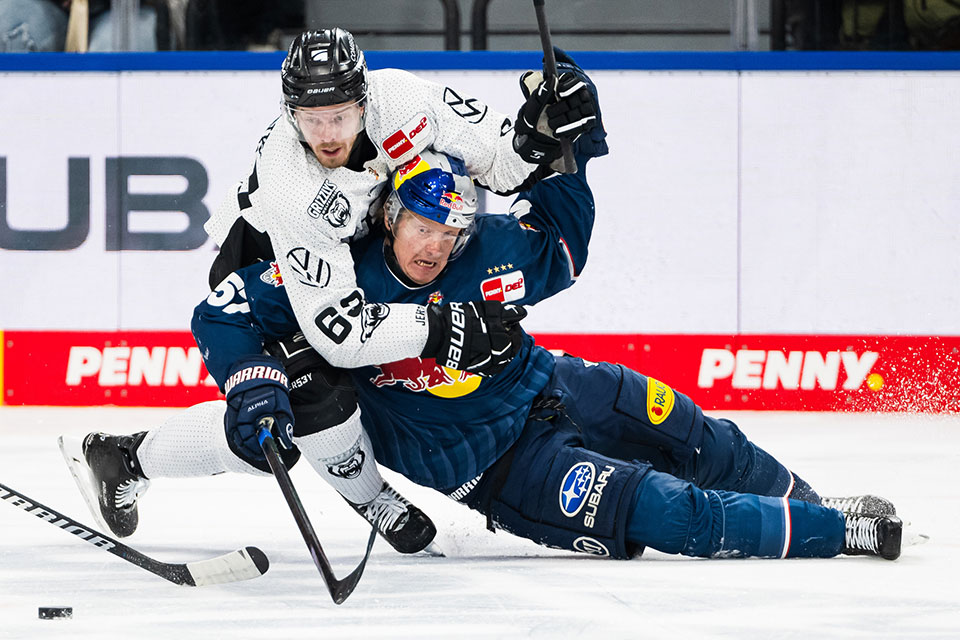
[753, 372]
[128, 368]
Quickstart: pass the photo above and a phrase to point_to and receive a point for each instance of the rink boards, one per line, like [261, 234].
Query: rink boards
[729, 372]
[773, 231]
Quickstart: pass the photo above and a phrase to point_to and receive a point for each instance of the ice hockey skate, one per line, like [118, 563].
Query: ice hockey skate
[861, 505]
[873, 536]
[404, 526]
[104, 469]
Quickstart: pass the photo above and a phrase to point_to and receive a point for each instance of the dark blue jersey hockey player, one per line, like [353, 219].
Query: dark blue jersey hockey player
[586, 456]
[592, 457]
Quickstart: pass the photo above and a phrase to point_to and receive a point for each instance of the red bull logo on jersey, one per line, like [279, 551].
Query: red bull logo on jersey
[505, 288]
[425, 375]
[272, 275]
[660, 401]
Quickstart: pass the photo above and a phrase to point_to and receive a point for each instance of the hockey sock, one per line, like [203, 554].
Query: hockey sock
[191, 444]
[677, 517]
[767, 527]
[343, 456]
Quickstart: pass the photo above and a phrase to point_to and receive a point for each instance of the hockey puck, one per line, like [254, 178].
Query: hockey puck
[53, 613]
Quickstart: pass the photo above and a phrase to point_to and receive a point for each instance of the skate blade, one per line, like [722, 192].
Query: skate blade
[913, 538]
[72, 450]
[434, 550]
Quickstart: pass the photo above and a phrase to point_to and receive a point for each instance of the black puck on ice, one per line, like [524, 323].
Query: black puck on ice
[52, 613]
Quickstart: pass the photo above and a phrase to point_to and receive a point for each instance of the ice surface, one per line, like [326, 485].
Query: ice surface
[489, 586]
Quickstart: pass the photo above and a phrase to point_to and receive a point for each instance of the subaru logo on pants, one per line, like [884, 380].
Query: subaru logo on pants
[575, 487]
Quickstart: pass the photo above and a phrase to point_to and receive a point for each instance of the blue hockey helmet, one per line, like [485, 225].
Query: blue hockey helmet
[437, 187]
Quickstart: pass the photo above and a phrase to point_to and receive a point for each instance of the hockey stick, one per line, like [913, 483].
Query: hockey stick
[339, 590]
[550, 71]
[242, 564]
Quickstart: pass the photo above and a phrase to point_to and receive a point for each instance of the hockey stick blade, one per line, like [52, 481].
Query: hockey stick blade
[339, 590]
[242, 564]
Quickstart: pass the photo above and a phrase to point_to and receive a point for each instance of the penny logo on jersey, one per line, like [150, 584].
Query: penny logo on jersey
[401, 141]
[424, 374]
[660, 401]
[505, 288]
[331, 205]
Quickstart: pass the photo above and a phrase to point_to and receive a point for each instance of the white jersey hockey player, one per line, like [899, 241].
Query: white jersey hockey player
[320, 172]
[317, 180]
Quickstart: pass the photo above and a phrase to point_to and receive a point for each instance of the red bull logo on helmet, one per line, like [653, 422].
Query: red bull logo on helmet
[452, 200]
[424, 374]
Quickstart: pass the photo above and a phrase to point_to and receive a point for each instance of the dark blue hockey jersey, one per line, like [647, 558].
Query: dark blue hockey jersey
[437, 426]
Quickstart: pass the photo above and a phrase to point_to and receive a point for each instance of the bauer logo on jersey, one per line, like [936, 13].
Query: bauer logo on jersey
[505, 288]
[660, 400]
[331, 205]
[401, 141]
[575, 487]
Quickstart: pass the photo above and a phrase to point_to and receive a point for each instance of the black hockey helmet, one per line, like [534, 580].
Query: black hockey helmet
[322, 68]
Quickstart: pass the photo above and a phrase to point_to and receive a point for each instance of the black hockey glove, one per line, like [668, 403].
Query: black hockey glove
[257, 387]
[560, 108]
[479, 337]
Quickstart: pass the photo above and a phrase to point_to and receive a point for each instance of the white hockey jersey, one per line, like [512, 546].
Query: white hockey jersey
[311, 212]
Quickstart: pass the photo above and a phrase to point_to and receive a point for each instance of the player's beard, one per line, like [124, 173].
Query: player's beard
[333, 155]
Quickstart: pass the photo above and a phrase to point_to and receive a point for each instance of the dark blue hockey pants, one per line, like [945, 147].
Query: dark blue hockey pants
[612, 460]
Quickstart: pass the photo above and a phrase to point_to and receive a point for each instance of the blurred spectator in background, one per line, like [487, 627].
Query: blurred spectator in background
[872, 25]
[244, 24]
[143, 34]
[72, 25]
[32, 25]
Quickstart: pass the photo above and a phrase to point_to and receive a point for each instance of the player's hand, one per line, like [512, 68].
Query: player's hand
[479, 337]
[257, 387]
[556, 108]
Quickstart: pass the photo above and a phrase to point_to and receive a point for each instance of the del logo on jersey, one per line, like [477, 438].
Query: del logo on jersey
[505, 288]
[401, 141]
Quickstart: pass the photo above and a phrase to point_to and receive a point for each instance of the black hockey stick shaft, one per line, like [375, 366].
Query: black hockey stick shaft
[234, 566]
[339, 590]
[550, 71]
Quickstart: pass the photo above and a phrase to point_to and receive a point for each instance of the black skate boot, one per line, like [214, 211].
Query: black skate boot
[861, 505]
[106, 470]
[873, 536]
[404, 526]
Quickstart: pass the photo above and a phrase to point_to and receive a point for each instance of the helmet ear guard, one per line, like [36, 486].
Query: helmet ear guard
[437, 187]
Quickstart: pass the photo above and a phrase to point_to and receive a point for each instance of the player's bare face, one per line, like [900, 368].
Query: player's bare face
[331, 131]
[422, 247]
